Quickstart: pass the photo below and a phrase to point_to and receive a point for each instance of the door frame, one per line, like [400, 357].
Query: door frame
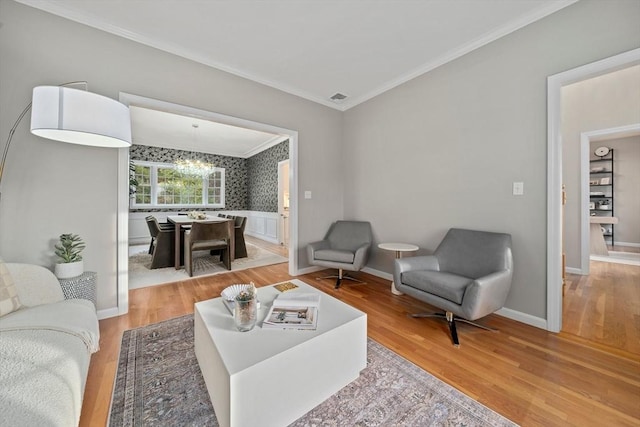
[122, 220]
[585, 152]
[281, 207]
[554, 171]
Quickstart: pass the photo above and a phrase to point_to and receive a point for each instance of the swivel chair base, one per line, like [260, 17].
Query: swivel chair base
[451, 320]
[339, 278]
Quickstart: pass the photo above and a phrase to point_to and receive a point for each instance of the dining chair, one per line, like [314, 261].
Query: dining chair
[207, 236]
[240, 245]
[162, 243]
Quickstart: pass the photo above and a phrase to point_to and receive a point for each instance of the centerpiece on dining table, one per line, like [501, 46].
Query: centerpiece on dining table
[196, 215]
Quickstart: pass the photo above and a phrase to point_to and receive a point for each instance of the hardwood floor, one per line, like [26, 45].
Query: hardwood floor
[271, 247]
[604, 307]
[530, 376]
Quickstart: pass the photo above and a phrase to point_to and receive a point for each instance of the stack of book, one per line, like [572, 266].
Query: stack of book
[295, 310]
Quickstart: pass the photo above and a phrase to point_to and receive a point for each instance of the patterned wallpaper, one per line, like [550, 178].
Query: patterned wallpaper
[250, 184]
[262, 175]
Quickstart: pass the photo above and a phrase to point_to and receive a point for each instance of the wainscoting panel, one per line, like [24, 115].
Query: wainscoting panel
[263, 225]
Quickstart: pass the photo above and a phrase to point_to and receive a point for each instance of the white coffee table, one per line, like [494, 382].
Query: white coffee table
[271, 377]
[398, 248]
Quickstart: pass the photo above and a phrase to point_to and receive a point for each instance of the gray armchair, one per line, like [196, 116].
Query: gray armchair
[345, 247]
[468, 276]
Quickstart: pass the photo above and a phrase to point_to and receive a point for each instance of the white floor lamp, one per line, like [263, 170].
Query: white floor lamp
[75, 116]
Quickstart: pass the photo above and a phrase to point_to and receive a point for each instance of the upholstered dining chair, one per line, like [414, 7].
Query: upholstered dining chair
[346, 246]
[240, 245]
[207, 236]
[162, 246]
[468, 277]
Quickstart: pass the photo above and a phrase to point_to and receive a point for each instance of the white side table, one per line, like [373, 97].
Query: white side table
[398, 248]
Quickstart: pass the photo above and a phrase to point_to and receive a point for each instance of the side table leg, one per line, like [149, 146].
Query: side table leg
[393, 285]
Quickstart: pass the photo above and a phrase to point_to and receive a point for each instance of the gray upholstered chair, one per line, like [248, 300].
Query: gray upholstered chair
[345, 247]
[240, 245]
[468, 276]
[162, 245]
[207, 236]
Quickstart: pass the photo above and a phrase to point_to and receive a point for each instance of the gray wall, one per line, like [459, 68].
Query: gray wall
[626, 186]
[443, 149]
[604, 102]
[51, 187]
[262, 172]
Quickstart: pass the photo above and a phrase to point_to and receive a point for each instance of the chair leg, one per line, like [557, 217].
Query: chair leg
[477, 325]
[339, 277]
[452, 328]
[188, 264]
[451, 321]
[226, 257]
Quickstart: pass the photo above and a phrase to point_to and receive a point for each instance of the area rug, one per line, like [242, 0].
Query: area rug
[159, 383]
[141, 275]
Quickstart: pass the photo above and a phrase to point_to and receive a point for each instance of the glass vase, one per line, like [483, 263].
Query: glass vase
[245, 314]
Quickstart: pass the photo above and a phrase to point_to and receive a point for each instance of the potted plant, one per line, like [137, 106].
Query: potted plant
[70, 261]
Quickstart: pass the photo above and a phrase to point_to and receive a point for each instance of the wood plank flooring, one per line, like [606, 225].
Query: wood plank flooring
[528, 375]
[604, 307]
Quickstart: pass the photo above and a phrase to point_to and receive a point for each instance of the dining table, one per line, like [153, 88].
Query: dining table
[182, 222]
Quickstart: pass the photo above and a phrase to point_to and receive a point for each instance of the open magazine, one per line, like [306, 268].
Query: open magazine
[293, 311]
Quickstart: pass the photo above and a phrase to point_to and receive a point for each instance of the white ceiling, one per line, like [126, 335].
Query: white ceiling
[168, 130]
[312, 48]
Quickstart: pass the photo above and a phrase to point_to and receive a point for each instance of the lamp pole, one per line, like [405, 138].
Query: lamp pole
[74, 116]
[17, 122]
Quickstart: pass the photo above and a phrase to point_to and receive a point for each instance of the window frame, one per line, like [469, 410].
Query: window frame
[153, 177]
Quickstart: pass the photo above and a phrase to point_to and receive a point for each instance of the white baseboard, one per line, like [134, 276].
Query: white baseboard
[632, 245]
[504, 312]
[521, 317]
[308, 270]
[378, 273]
[108, 312]
[262, 237]
[574, 270]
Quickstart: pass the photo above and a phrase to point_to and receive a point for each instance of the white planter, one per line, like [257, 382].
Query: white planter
[69, 269]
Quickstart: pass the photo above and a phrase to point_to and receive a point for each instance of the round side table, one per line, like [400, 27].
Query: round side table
[398, 248]
[82, 287]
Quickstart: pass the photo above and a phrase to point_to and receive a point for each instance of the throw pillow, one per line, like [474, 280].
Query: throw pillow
[9, 300]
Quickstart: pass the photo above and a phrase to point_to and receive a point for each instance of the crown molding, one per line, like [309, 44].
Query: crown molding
[462, 50]
[95, 22]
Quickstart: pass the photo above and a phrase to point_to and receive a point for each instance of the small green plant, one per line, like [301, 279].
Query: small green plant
[70, 247]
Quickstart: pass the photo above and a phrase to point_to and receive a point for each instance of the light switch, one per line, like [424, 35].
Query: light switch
[518, 188]
[307, 194]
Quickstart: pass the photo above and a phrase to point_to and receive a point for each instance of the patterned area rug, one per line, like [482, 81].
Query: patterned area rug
[159, 384]
[141, 275]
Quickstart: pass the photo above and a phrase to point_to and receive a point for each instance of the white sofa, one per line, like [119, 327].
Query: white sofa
[45, 350]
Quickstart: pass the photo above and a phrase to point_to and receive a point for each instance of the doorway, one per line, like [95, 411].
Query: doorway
[586, 147]
[284, 203]
[554, 172]
[123, 182]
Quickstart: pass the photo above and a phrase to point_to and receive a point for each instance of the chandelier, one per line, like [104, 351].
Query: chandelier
[191, 165]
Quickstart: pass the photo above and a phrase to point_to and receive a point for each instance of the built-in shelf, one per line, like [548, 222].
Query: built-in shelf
[603, 169]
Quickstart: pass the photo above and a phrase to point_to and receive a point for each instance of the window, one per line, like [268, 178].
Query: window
[160, 186]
